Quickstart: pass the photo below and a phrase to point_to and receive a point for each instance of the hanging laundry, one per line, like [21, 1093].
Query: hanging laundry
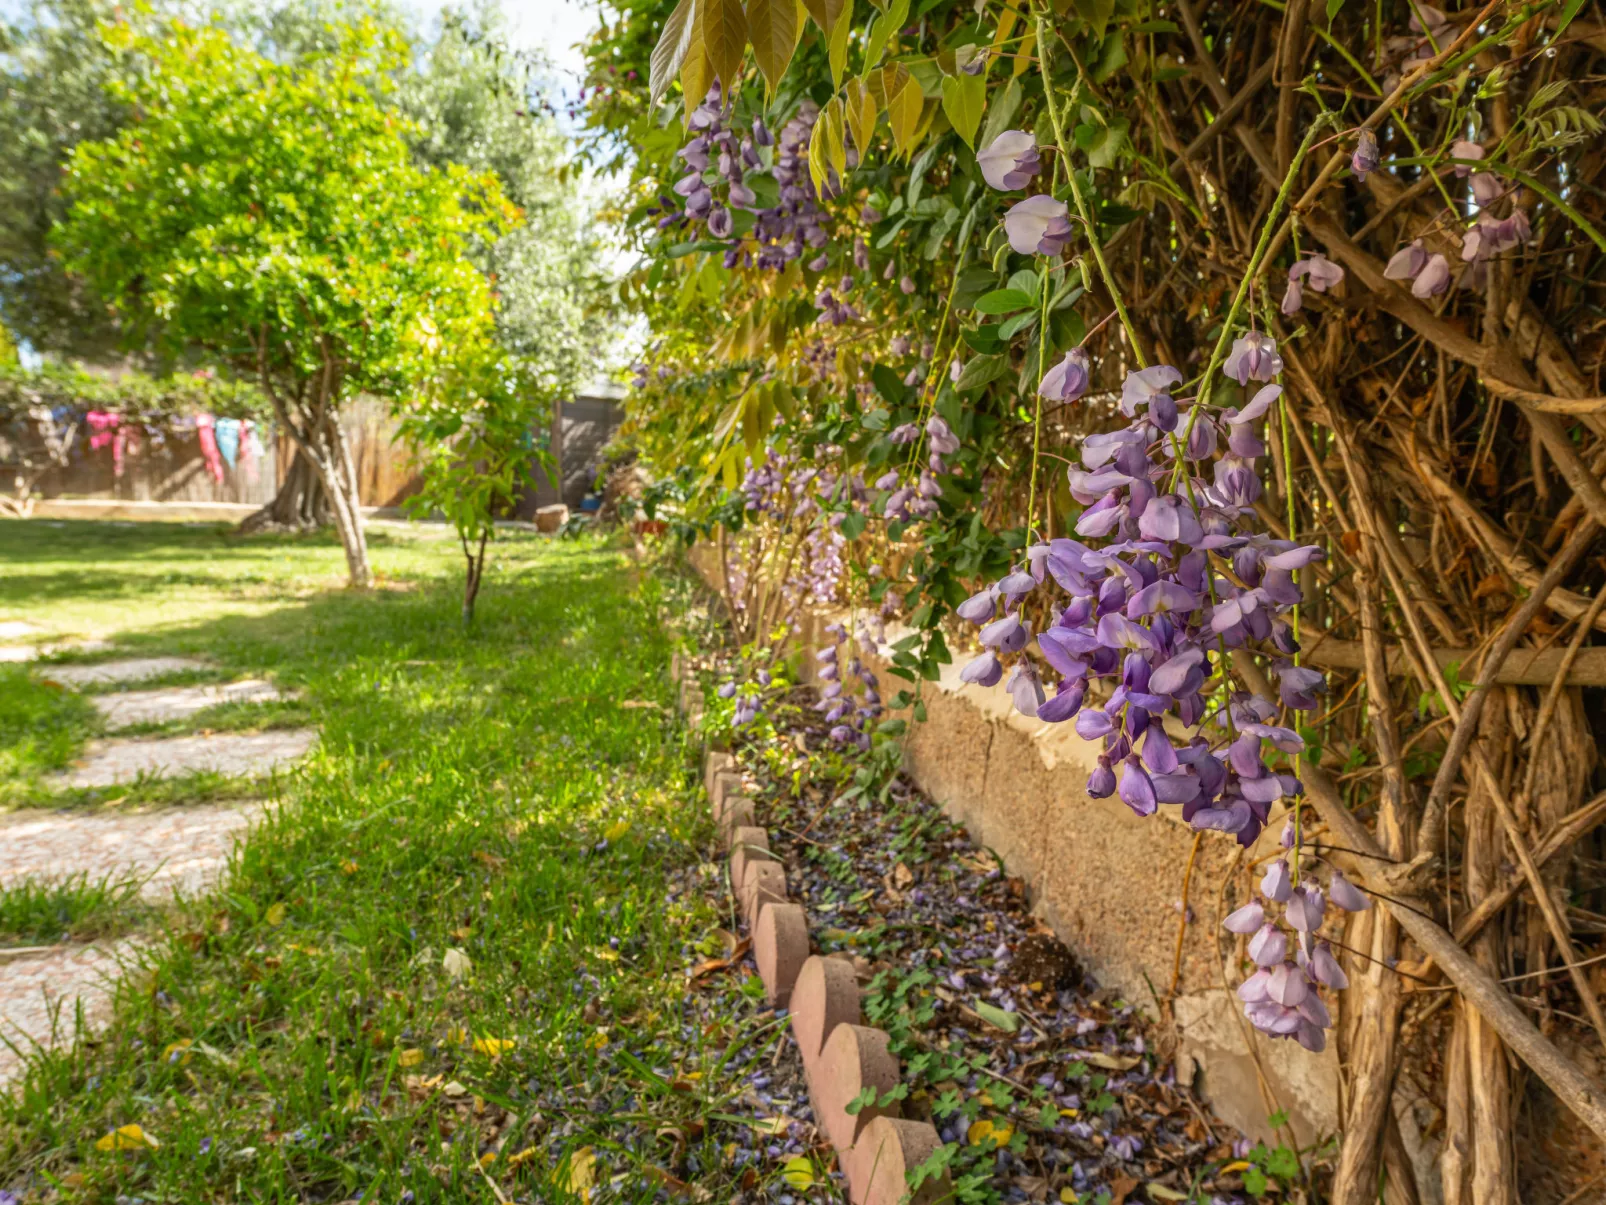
[228, 440]
[209, 450]
[105, 427]
[251, 453]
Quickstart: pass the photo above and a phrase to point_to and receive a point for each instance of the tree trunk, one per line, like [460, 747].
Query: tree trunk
[302, 504]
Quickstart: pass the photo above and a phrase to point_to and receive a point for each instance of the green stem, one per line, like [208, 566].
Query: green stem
[1037, 412]
[1076, 192]
[1218, 353]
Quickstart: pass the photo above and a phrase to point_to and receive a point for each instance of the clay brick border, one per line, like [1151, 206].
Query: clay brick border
[876, 1148]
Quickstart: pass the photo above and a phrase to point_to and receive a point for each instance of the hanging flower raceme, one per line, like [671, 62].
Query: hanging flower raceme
[1429, 274]
[1253, 358]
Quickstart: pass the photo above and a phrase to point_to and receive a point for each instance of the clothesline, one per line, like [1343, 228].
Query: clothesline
[234, 442]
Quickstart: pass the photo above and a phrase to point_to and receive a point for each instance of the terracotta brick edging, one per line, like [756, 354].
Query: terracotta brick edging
[876, 1148]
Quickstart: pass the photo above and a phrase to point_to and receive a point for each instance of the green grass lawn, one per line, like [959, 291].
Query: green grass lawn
[416, 977]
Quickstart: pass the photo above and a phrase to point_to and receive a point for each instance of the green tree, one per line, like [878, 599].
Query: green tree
[273, 215]
[472, 437]
[475, 102]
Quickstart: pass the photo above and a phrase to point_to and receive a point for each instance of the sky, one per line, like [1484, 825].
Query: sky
[554, 26]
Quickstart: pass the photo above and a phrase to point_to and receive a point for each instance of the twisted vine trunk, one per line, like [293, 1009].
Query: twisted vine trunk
[302, 504]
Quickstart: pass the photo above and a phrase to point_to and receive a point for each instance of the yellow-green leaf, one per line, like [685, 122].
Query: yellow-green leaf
[580, 1172]
[275, 915]
[887, 82]
[673, 43]
[773, 27]
[127, 1138]
[695, 76]
[884, 26]
[963, 99]
[904, 110]
[798, 1172]
[838, 38]
[493, 1046]
[825, 12]
[826, 148]
[722, 28]
[859, 103]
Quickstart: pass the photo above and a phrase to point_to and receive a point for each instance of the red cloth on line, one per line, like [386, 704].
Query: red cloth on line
[209, 448]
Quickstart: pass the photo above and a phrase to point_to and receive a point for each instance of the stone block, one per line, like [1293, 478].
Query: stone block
[781, 947]
[762, 884]
[727, 785]
[826, 995]
[877, 1167]
[715, 761]
[855, 1057]
[748, 845]
[550, 518]
[737, 813]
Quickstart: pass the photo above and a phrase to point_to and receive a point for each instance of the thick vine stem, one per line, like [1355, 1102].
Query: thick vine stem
[1088, 221]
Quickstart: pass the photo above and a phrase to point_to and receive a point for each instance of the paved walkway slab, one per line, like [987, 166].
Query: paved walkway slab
[17, 629]
[129, 707]
[38, 989]
[133, 669]
[234, 753]
[181, 849]
[15, 653]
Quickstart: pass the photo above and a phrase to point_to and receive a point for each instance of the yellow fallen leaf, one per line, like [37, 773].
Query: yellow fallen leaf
[454, 1089]
[771, 1125]
[275, 915]
[617, 829]
[127, 1138]
[1068, 1196]
[410, 1058]
[580, 1171]
[178, 1052]
[456, 963]
[493, 1046]
[1164, 1192]
[798, 1171]
[607, 955]
[348, 867]
[457, 1035]
[984, 1131]
[523, 1157]
[1238, 1165]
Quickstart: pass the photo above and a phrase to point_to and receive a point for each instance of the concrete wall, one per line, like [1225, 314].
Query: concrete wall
[1109, 883]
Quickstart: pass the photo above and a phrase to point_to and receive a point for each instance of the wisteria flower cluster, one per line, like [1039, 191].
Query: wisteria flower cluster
[905, 502]
[848, 713]
[1281, 998]
[717, 158]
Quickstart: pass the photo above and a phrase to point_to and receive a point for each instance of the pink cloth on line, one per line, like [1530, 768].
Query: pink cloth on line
[106, 427]
[209, 448]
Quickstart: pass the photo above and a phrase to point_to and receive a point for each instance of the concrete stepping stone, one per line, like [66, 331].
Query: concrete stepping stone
[234, 753]
[12, 654]
[12, 630]
[180, 849]
[130, 707]
[54, 983]
[132, 669]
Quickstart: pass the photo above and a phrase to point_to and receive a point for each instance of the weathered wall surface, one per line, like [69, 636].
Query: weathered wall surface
[1109, 883]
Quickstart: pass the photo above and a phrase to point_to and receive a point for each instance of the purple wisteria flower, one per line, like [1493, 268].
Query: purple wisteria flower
[1009, 161]
[1318, 271]
[1067, 380]
[1253, 358]
[1429, 274]
[1462, 149]
[1365, 158]
[1039, 225]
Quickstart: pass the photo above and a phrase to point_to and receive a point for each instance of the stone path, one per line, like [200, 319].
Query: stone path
[133, 669]
[130, 707]
[181, 849]
[176, 849]
[107, 763]
[41, 993]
